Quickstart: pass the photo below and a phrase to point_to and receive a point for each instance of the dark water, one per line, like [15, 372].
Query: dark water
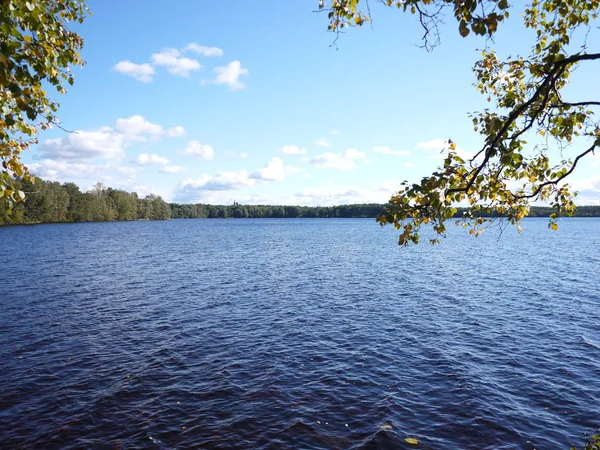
[297, 334]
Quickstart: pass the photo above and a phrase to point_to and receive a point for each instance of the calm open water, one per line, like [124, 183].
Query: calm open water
[297, 333]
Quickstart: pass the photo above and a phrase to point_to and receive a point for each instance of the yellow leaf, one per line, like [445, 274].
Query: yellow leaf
[412, 441]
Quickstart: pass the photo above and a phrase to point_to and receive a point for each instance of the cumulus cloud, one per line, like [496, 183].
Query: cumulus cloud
[193, 191]
[329, 196]
[275, 170]
[176, 131]
[229, 75]
[200, 151]
[84, 146]
[588, 189]
[105, 143]
[223, 181]
[147, 158]
[135, 127]
[338, 161]
[173, 169]
[53, 170]
[323, 142]
[292, 150]
[142, 190]
[203, 50]
[389, 151]
[175, 63]
[140, 72]
[213, 189]
[203, 188]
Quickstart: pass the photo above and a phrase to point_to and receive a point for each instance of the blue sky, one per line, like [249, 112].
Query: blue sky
[219, 101]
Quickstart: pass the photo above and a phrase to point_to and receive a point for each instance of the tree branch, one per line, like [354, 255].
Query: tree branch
[539, 188]
[556, 69]
[569, 104]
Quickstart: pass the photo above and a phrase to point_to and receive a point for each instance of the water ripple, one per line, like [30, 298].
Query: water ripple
[316, 334]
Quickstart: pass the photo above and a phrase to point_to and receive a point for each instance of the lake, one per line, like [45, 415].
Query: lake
[297, 333]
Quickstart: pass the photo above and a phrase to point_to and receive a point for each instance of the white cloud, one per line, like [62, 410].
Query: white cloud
[141, 189]
[275, 170]
[330, 194]
[200, 151]
[229, 75]
[135, 127]
[53, 170]
[338, 161]
[176, 131]
[292, 150]
[175, 63]
[334, 132]
[140, 72]
[173, 169]
[322, 142]
[203, 50]
[223, 181]
[84, 146]
[340, 196]
[389, 151]
[588, 190]
[243, 155]
[147, 158]
[408, 164]
[105, 143]
[204, 190]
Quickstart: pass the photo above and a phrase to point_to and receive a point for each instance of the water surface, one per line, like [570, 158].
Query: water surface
[297, 333]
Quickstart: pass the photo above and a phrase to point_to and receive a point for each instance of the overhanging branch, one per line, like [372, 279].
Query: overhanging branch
[541, 186]
[555, 70]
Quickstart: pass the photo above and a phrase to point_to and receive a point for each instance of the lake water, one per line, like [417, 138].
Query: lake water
[297, 333]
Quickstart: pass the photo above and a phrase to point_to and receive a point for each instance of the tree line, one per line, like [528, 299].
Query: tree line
[202, 211]
[52, 202]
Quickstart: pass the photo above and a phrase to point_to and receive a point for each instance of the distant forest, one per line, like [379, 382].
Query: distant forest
[52, 202]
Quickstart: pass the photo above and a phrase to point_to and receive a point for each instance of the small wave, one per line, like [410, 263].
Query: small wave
[591, 342]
